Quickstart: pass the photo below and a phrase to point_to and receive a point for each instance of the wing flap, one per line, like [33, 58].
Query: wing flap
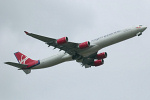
[87, 66]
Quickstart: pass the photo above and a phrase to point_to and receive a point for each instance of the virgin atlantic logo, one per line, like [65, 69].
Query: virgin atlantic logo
[22, 61]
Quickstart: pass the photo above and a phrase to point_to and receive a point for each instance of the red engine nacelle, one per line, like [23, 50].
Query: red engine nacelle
[62, 40]
[101, 55]
[84, 45]
[98, 62]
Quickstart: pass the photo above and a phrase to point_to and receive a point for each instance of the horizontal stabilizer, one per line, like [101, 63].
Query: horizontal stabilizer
[27, 71]
[16, 65]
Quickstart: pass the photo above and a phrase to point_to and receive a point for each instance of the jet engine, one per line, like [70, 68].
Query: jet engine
[62, 40]
[98, 62]
[90, 61]
[84, 45]
[101, 55]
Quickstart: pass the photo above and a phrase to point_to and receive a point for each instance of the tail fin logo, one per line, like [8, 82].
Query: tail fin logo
[22, 61]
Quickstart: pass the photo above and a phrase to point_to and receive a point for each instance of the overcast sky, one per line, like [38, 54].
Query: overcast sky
[125, 74]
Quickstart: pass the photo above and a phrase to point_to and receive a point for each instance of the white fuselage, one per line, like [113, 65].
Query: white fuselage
[96, 45]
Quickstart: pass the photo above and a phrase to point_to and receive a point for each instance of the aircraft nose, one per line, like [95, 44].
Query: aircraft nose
[143, 28]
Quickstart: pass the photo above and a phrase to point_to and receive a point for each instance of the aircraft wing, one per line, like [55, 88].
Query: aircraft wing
[86, 61]
[69, 47]
[39, 37]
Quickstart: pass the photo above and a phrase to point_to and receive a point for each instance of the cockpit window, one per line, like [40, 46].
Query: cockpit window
[139, 26]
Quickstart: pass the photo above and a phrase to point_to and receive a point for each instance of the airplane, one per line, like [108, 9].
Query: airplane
[85, 53]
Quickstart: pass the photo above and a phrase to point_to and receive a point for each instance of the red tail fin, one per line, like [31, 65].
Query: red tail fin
[23, 59]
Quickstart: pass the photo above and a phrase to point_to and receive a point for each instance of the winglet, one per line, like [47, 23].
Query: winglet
[26, 32]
